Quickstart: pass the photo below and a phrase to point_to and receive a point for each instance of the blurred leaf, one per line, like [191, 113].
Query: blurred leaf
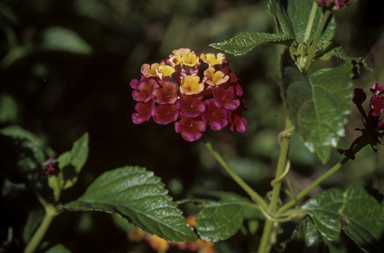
[306, 240]
[220, 220]
[333, 49]
[33, 221]
[138, 196]
[292, 17]
[245, 42]
[58, 248]
[71, 162]
[21, 154]
[8, 109]
[59, 38]
[359, 213]
[318, 106]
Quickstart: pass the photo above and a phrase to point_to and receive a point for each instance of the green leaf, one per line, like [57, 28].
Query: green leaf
[8, 109]
[318, 106]
[333, 49]
[33, 221]
[22, 154]
[356, 211]
[138, 196]
[71, 162]
[220, 220]
[299, 11]
[306, 240]
[283, 22]
[245, 42]
[58, 248]
[59, 38]
[292, 17]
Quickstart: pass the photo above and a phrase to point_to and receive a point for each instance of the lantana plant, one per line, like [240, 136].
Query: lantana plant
[193, 91]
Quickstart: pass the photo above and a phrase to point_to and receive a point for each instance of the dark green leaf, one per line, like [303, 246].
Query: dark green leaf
[220, 220]
[318, 106]
[33, 221]
[245, 42]
[306, 240]
[8, 109]
[22, 154]
[71, 162]
[299, 11]
[58, 248]
[140, 197]
[357, 212]
[283, 22]
[333, 49]
[292, 18]
[59, 38]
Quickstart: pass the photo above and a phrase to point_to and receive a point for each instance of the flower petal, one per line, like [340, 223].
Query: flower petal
[166, 94]
[190, 128]
[164, 114]
[144, 112]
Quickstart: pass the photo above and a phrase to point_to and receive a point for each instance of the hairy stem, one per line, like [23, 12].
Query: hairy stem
[266, 240]
[323, 20]
[310, 22]
[254, 195]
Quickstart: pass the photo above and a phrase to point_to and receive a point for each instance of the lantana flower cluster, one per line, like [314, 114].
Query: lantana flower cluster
[374, 126]
[173, 92]
[333, 4]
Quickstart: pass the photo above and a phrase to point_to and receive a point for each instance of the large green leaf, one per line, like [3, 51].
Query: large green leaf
[318, 106]
[71, 162]
[220, 220]
[140, 197]
[245, 42]
[306, 240]
[22, 154]
[356, 211]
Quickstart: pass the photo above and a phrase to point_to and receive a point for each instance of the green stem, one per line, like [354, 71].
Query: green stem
[265, 242]
[335, 168]
[50, 213]
[313, 185]
[254, 195]
[310, 23]
[323, 20]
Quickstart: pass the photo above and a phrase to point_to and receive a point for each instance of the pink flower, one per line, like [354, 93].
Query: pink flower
[191, 129]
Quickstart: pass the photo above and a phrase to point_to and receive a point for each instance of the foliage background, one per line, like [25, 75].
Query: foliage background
[66, 67]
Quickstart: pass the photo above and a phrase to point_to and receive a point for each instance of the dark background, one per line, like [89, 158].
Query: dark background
[65, 69]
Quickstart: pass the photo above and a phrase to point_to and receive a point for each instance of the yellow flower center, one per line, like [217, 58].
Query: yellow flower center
[211, 58]
[190, 59]
[215, 78]
[165, 71]
[174, 60]
[191, 85]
